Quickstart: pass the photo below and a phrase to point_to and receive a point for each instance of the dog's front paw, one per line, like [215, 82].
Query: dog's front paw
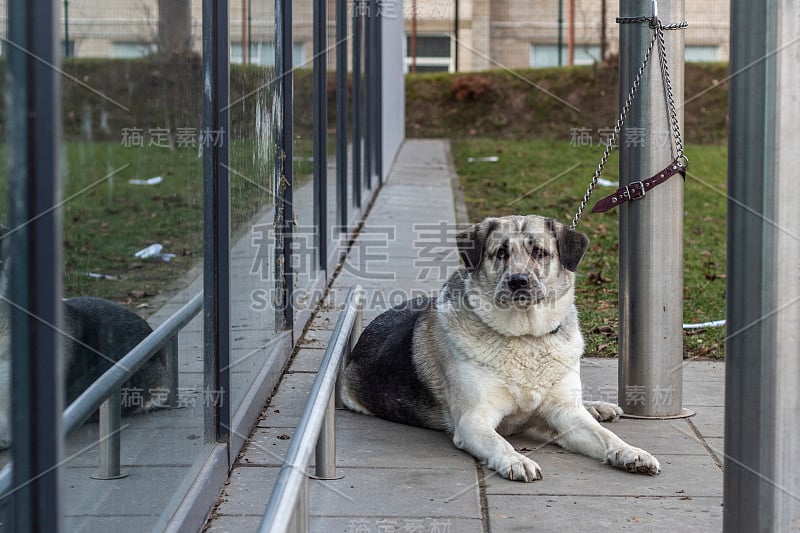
[516, 467]
[603, 411]
[634, 460]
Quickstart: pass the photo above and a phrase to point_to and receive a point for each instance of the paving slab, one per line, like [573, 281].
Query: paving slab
[398, 477]
[604, 514]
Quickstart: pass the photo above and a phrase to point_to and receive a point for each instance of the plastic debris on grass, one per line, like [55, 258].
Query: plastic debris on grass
[152, 181]
[489, 159]
[154, 251]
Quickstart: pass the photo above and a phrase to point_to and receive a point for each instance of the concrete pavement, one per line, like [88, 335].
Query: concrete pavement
[401, 478]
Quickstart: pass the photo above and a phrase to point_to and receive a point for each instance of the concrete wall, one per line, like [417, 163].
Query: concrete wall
[394, 99]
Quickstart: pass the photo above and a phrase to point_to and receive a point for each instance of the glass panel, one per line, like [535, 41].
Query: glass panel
[6, 383]
[333, 205]
[305, 234]
[430, 46]
[132, 247]
[699, 53]
[546, 55]
[255, 109]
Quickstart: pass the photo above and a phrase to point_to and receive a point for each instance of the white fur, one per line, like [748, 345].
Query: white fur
[508, 371]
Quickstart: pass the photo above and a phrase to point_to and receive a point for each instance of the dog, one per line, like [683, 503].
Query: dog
[496, 352]
[97, 333]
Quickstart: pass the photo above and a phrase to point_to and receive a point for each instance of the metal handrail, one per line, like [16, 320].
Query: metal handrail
[90, 400]
[288, 505]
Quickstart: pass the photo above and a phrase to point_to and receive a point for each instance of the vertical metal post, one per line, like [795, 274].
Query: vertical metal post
[216, 217]
[560, 32]
[66, 29]
[341, 110]
[320, 127]
[357, 29]
[299, 523]
[377, 45]
[34, 143]
[762, 434]
[245, 32]
[325, 452]
[170, 352]
[110, 438]
[651, 229]
[369, 95]
[284, 172]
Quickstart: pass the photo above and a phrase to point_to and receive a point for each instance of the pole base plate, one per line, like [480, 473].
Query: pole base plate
[685, 413]
[101, 477]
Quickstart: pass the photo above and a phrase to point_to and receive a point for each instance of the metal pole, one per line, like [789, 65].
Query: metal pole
[325, 453]
[358, 29]
[560, 31]
[603, 43]
[651, 228]
[320, 129]
[245, 32]
[109, 437]
[66, 28]
[413, 45]
[762, 434]
[33, 129]
[299, 522]
[341, 111]
[455, 34]
[216, 218]
[571, 34]
[170, 352]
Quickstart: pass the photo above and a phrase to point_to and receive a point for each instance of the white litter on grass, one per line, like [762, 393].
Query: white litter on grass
[489, 159]
[151, 181]
[95, 275]
[712, 324]
[607, 183]
[154, 252]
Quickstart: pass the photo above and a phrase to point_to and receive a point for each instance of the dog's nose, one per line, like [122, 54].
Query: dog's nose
[519, 282]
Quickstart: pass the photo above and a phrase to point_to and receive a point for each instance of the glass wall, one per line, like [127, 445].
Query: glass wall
[255, 112]
[133, 189]
[136, 203]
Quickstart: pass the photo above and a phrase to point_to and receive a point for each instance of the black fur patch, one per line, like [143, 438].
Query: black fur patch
[572, 245]
[471, 242]
[381, 373]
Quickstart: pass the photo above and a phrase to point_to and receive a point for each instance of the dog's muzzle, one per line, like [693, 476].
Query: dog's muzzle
[522, 288]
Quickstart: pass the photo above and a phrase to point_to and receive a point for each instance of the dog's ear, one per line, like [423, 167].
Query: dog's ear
[472, 241]
[572, 245]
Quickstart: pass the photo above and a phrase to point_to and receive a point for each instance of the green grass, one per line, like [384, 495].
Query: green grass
[107, 219]
[519, 183]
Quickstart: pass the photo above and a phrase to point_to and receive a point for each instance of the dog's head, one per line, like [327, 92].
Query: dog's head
[522, 260]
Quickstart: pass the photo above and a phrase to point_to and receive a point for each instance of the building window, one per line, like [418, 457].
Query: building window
[434, 53]
[701, 53]
[263, 54]
[126, 50]
[546, 55]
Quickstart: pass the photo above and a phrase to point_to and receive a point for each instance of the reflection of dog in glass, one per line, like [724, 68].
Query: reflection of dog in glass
[97, 333]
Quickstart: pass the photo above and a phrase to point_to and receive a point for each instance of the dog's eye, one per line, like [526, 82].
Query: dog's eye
[501, 253]
[539, 253]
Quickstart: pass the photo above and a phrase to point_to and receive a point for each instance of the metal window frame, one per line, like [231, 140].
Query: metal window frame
[34, 139]
[216, 219]
[358, 180]
[320, 130]
[341, 111]
[284, 214]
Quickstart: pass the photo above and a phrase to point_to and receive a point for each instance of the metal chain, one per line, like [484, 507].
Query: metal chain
[670, 98]
[658, 35]
[617, 128]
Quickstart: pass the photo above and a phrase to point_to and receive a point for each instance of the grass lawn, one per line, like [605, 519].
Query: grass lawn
[540, 176]
[107, 219]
